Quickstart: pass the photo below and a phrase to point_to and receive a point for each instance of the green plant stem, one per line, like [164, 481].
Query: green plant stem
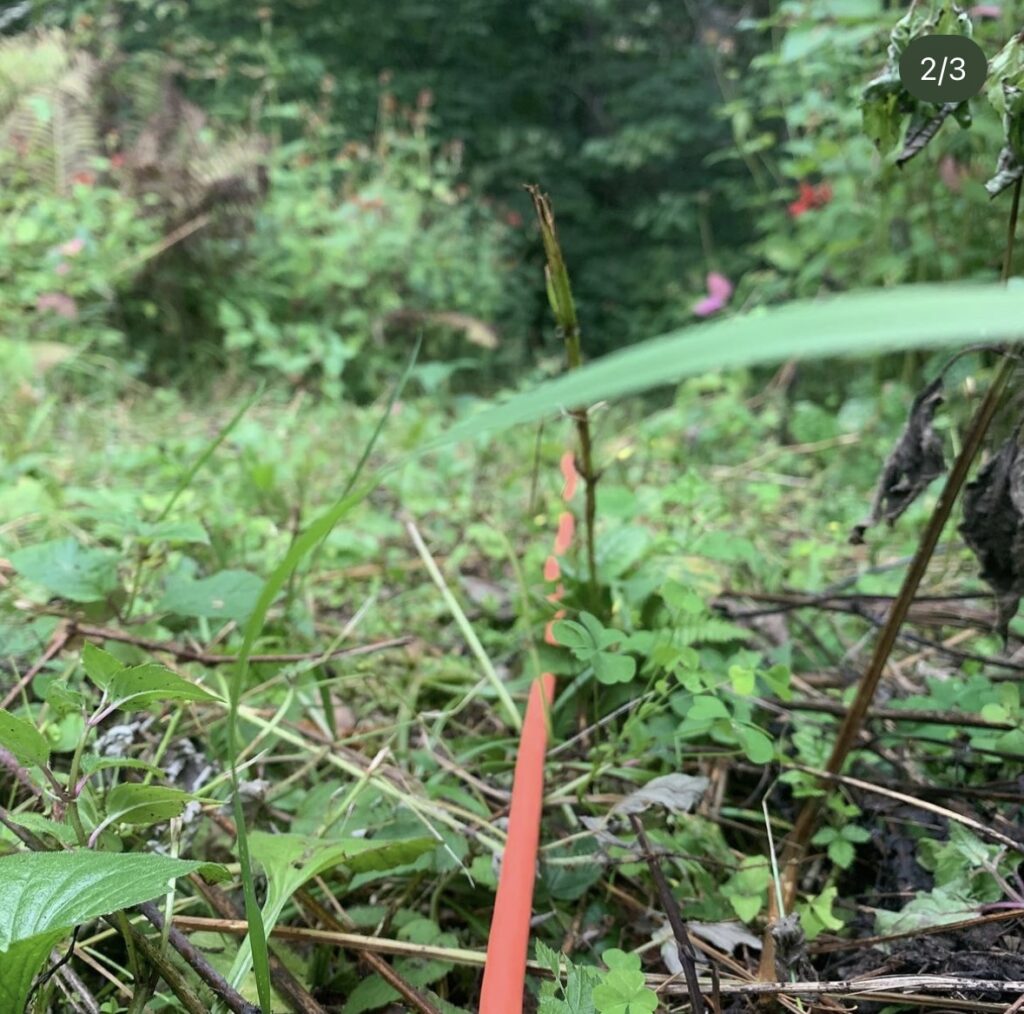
[564, 308]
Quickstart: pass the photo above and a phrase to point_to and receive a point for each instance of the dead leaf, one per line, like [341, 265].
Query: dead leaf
[474, 330]
[676, 792]
[726, 936]
[993, 527]
[914, 462]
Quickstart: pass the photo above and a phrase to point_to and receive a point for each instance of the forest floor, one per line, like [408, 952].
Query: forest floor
[710, 661]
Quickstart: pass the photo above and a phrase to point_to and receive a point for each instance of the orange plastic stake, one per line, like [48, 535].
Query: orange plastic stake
[509, 939]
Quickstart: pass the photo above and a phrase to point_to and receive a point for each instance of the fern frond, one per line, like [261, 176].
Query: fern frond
[47, 111]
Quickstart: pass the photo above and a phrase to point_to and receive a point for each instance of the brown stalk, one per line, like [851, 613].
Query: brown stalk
[684, 947]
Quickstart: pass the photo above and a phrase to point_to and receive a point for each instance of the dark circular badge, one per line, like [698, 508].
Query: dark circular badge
[943, 68]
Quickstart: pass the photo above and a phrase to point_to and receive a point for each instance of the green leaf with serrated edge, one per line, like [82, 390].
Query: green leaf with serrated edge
[40, 825]
[28, 745]
[841, 852]
[622, 989]
[143, 685]
[548, 957]
[133, 803]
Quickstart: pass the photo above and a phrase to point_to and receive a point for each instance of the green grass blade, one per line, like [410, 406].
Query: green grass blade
[851, 324]
[303, 545]
[208, 452]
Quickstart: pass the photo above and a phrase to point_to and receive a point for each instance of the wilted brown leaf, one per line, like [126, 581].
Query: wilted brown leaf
[914, 462]
[993, 527]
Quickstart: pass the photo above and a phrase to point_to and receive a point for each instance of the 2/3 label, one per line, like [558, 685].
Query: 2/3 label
[943, 68]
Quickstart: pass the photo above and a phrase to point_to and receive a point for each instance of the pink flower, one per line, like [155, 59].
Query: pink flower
[719, 291]
[986, 11]
[59, 303]
[73, 247]
[952, 173]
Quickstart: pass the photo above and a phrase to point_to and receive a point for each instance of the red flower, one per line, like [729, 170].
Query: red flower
[85, 178]
[811, 196]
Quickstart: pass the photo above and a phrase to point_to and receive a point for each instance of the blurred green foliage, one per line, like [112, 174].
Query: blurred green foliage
[675, 140]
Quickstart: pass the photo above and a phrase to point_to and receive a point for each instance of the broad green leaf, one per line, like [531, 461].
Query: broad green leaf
[573, 635]
[706, 709]
[841, 853]
[742, 680]
[62, 699]
[69, 570]
[100, 666]
[226, 595]
[134, 803]
[20, 964]
[44, 894]
[289, 860]
[816, 915]
[23, 739]
[43, 891]
[620, 549]
[756, 745]
[932, 908]
[40, 825]
[610, 668]
[143, 685]
[746, 906]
